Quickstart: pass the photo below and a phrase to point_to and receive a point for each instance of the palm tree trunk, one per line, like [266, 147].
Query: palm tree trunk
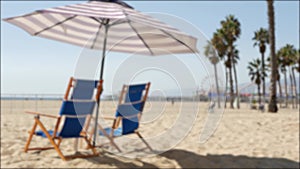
[217, 85]
[259, 95]
[231, 88]
[236, 86]
[295, 87]
[263, 80]
[280, 93]
[230, 55]
[273, 102]
[285, 90]
[226, 85]
[291, 88]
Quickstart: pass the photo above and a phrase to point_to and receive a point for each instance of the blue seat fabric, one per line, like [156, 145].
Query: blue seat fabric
[129, 112]
[117, 132]
[78, 109]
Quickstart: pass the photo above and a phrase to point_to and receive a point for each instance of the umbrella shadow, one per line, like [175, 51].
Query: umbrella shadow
[115, 162]
[188, 159]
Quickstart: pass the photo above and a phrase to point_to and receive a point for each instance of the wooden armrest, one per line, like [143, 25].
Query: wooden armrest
[41, 114]
[131, 103]
[108, 118]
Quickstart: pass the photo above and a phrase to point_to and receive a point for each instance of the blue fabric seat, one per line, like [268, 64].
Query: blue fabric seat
[116, 132]
[42, 134]
[130, 108]
[76, 113]
[76, 109]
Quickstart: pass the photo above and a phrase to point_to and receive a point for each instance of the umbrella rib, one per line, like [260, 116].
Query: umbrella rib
[117, 22]
[58, 23]
[96, 20]
[140, 37]
[129, 22]
[170, 35]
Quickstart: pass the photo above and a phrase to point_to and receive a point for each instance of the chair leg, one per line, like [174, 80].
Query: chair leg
[141, 137]
[30, 137]
[50, 139]
[90, 146]
[76, 144]
[114, 144]
[80, 143]
[109, 137]
[59, 141]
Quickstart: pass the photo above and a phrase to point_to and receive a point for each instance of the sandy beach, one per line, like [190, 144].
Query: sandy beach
[244, 139]
[195, 54]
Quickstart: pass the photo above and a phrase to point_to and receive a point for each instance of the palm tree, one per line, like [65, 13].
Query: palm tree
[292, 88]
[210, 52]
[278, 77]
[230, 31]
[298, 56]
[271, 18]
[292, 57]
[283, 70]
[297, 59]
[256, 75]
[283, 64]
[220, 46]
[280, 89]
[261, 38]
[288, 56]
[235, 59]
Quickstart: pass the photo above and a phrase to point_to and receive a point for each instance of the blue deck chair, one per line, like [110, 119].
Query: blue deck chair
[129, 111]
[75, 113]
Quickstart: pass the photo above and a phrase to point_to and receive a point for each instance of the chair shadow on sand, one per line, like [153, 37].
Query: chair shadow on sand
[115, 162]
[188, 159]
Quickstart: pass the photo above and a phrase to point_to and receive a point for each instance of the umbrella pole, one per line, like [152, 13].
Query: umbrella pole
[101, 78]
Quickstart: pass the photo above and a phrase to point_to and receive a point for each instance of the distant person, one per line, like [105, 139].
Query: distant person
[261, 107]
[172, 100]
[211, 107]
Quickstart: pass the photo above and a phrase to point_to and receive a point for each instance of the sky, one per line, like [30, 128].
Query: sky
[37, 65]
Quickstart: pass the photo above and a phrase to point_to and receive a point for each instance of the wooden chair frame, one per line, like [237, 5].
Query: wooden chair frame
[117, 120]
[55, 140]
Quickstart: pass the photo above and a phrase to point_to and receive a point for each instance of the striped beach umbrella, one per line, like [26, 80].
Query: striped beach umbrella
[112, 26]
[108, 26]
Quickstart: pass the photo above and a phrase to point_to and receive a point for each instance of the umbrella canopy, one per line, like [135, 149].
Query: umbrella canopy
[113, 25]
[127, 30]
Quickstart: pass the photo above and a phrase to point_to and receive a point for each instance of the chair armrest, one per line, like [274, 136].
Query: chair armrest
[41, 114]
[132, 103]
[108, 118]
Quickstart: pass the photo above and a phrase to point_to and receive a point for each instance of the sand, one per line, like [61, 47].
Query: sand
[244, 138]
